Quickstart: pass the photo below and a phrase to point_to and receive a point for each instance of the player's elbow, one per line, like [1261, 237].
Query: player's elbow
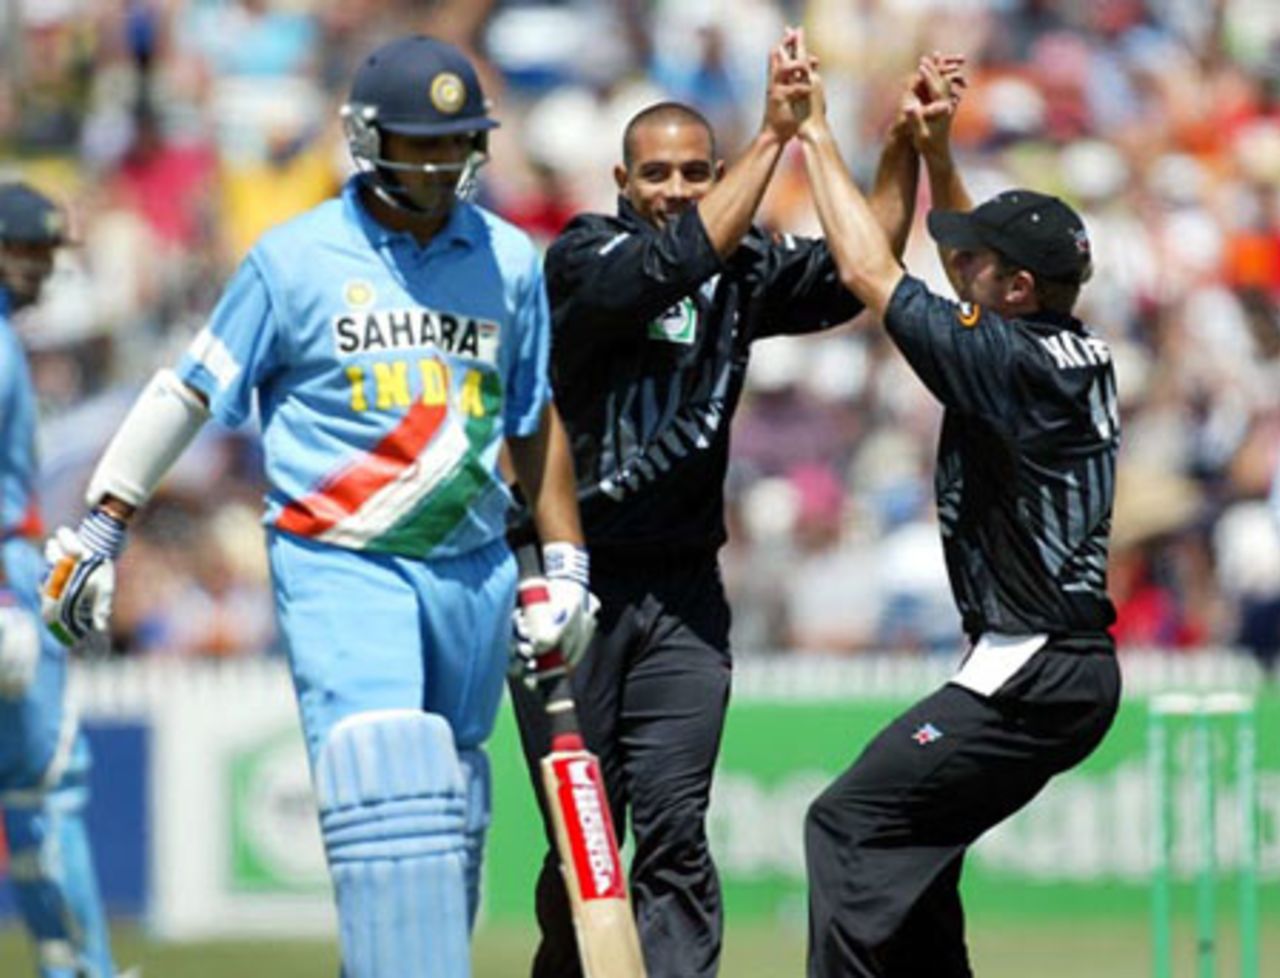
[873, 285]
[861, 280]
[854, 280]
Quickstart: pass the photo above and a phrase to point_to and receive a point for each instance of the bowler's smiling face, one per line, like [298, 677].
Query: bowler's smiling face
[671, 170]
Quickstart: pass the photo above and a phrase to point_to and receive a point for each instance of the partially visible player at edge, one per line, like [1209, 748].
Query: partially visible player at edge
[396, 338]
[655, 310]
[1025, 480]
[44, 760]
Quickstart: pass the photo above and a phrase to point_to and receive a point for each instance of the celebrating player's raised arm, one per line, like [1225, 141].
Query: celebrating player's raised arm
[916, 129]
[729, 207]
[931, 131]
[856, 235]
[861, 249]
[893, 194]
[932, 137]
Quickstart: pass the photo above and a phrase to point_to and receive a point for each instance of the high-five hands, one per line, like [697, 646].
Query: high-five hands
[790, 94]
[808, 97]
[930, 101]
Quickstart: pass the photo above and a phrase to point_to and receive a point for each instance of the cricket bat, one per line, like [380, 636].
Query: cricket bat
[608, 945]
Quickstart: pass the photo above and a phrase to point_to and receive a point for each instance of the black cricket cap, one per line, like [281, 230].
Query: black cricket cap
[1029, 229]
[421, 86]
[29, 217]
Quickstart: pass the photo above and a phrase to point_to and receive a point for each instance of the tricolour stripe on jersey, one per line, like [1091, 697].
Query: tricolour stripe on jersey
[346, 494]
[440, 514]
[412, 490]
[389, 506]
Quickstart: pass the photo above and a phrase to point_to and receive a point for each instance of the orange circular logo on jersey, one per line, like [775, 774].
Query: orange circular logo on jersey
[448, 92]
[968, 313]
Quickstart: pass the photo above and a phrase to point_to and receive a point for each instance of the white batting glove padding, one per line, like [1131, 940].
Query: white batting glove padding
[77, 594]
[19, 647]
[571, 619]
[570, 622]
[565, 622]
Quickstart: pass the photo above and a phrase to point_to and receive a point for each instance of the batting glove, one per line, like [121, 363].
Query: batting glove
[76, 598]
[553, 627]
[19, 646]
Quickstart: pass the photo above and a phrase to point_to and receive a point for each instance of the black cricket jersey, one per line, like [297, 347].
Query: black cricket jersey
[1026, 460]
[651, 333]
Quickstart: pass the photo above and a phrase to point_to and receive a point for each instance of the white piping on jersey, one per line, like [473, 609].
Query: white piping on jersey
[442, 456]
[613, 242]
[213, 354]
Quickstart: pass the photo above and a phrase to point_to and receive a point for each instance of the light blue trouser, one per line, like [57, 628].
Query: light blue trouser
[373, 632]
[379, 632]
[44, 764]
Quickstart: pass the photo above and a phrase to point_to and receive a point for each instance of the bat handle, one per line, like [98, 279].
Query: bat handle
[528, 560]
[558, 702]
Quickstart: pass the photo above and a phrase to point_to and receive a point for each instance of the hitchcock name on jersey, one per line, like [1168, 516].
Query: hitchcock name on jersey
[415, 329]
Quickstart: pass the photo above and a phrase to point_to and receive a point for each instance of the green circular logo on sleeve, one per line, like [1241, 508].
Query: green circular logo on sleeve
[679, 324]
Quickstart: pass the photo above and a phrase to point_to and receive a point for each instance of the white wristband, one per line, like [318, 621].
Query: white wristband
[102, 533]
[566, 561]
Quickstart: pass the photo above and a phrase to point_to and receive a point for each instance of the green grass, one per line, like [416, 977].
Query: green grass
[1060, 949]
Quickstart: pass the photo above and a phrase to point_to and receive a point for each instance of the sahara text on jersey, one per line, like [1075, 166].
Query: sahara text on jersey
[415, 329]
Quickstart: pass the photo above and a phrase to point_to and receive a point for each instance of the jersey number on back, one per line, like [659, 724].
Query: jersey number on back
[1103, 407]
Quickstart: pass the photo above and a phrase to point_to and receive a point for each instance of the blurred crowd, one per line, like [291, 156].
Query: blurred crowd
[177, 131]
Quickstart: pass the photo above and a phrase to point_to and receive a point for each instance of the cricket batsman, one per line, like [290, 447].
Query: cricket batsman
[396, 338]
[44, 759]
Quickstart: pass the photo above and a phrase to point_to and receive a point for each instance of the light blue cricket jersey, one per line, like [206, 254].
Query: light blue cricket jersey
[19, 513]
[387, 373]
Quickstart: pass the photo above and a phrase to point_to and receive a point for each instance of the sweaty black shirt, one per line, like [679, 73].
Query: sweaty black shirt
[1026, 460]
[650, 338]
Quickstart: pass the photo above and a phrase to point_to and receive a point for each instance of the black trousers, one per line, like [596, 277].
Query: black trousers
[885, 842]
[651, 694]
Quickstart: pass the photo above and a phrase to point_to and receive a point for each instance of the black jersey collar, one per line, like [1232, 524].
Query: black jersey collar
[1050, 318]
[628, 214]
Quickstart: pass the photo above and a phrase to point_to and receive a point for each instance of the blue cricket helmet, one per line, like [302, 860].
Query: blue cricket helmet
[420, 86]
[415, 86]
[29, 217]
